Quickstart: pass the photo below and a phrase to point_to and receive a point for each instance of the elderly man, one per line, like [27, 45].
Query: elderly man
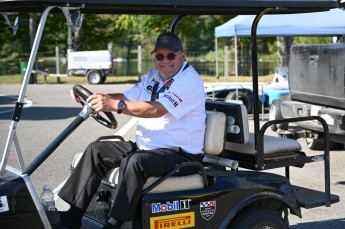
[170, 105]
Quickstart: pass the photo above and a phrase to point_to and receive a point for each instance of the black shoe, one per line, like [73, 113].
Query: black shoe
[68, 222]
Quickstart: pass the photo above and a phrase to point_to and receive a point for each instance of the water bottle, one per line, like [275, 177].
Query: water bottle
[47, 198]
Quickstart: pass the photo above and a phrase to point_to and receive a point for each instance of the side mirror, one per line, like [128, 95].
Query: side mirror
[15, 24]
[77, 20]
[74, 18]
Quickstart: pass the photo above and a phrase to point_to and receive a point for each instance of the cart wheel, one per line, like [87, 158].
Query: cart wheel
[245, 97]
[95, 77]
[317, 144]
[259, 217]
[276, 114]
[314, 144]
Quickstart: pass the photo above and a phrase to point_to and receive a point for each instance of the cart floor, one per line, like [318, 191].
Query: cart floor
[309, 198]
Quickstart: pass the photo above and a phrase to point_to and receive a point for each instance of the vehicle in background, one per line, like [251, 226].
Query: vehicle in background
[316, 89]
[281, 74]
[95, 65]
[243, 91]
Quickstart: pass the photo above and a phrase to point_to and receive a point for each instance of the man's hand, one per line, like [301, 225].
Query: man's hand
[101, 102]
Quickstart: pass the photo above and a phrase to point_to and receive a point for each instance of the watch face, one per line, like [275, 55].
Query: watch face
[121, 105]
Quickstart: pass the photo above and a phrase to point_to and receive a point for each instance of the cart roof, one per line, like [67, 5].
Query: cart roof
[196, 7]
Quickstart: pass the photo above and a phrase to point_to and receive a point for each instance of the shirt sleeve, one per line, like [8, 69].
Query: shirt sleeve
[133, 94]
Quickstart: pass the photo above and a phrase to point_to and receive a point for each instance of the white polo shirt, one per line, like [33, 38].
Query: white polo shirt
[184, 125]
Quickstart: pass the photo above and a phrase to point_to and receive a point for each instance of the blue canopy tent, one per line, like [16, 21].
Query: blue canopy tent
[305, 24]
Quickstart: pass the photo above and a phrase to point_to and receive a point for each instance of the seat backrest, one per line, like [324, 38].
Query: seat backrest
[237, 117]
[216, 123]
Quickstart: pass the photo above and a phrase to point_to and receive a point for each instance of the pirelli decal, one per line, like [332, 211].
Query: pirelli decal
[175, 221]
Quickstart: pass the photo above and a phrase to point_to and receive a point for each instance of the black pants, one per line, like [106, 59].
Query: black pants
[135, 167]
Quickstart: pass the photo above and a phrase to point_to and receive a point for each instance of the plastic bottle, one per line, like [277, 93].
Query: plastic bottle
[47, 198]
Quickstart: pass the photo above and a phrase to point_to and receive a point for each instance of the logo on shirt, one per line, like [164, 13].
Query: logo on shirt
[173, 98]
[149, 88]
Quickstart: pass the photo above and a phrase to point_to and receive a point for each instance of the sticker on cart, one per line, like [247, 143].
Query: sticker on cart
[3, 204]
[208, 209]
[175, 221]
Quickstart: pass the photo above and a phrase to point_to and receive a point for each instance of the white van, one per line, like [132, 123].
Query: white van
[95, 65]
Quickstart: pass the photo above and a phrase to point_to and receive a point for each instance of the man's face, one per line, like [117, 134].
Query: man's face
[169, 68]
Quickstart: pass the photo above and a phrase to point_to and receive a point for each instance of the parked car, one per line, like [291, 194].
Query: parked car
[243, 91]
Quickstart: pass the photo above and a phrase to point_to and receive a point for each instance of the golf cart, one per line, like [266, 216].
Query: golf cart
[220, 194]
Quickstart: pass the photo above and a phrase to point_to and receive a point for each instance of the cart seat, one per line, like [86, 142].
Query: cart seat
[240, 145]
[174, 183]
[273, 146]
[213, 145]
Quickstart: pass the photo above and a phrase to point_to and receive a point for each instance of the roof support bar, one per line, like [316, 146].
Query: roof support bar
[259, 134]
[174, 23]
[33, 54]
[255, 76]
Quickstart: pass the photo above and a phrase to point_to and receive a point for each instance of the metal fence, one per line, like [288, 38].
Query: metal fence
[204, 67]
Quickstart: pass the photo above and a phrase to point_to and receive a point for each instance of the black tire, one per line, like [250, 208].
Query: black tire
[276, 114]
[318, 144]
[246, 98]
[314, 144]
[95, 77]
[104, 78]
[257, 218]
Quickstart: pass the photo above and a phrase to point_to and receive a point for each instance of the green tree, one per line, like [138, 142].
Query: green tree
[96, 32]
[198, 31]
[312, 40]
[54, 34]
[14, 47]
[129, 28]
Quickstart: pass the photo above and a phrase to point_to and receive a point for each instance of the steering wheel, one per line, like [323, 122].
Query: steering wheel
[83, 94]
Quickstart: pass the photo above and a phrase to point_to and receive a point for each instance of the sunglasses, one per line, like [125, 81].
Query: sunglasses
[170, 56]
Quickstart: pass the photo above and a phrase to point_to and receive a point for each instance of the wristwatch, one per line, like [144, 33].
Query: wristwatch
[120, 106]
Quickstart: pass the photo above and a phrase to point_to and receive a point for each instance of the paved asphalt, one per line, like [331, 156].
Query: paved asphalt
[50, 111]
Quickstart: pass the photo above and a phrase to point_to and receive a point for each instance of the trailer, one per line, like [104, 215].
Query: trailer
[94, 65]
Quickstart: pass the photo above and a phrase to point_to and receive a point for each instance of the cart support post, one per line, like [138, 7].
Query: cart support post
[27, 75]
[255, 76]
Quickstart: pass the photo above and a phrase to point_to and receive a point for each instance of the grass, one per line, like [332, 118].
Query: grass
[16, 79]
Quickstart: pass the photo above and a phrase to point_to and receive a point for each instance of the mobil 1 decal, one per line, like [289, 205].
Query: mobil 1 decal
[208, 209]
[176, 205]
